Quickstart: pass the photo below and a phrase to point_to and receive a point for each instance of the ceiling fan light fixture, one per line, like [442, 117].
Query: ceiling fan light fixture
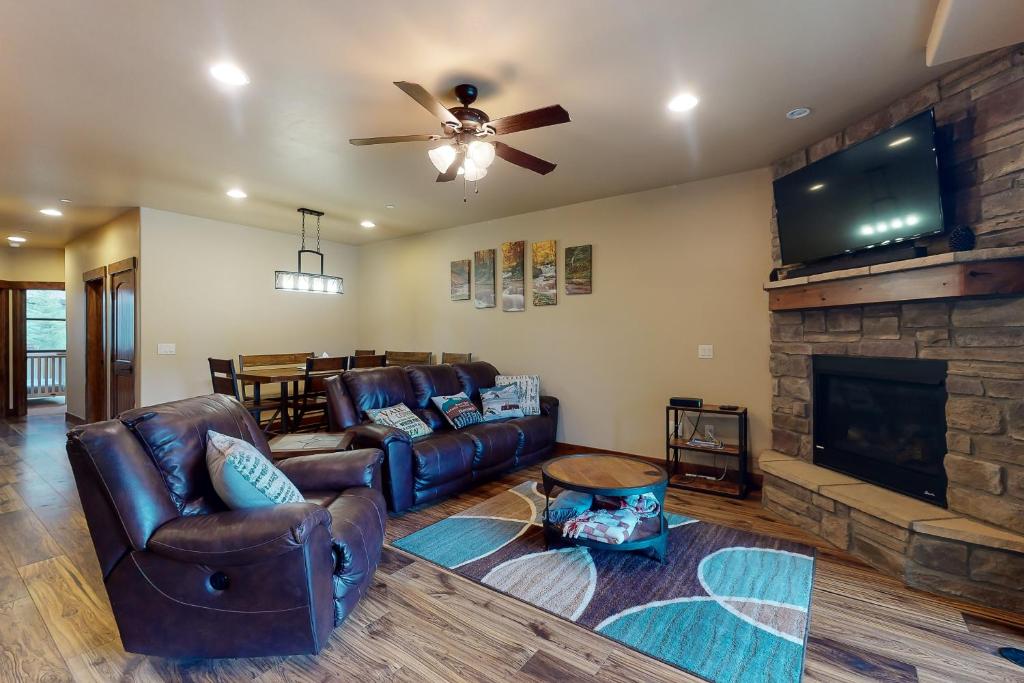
[442, 157]
[473, 171]
[481, 153]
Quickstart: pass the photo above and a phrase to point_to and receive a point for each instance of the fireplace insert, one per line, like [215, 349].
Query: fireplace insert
[883, 420]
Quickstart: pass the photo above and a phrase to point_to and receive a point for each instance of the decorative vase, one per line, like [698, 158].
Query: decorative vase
[961, 238]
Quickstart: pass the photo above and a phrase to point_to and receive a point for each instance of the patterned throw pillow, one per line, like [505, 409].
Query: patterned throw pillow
[243, 477]
[529, 390]
[458, 410]
[400, 417]
[500, 402]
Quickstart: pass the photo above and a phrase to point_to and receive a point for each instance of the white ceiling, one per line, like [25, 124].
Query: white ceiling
[109, 102]
[967, 27]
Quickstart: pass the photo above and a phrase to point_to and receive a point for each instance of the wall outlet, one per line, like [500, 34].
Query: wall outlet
[166, 349]
[705, 351]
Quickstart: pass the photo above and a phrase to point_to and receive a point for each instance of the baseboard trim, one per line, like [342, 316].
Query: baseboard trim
[71, 418]
[756, 479]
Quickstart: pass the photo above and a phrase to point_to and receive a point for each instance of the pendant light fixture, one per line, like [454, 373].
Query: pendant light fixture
[301, 281]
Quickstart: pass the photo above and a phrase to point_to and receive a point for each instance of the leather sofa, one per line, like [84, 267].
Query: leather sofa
[186, 576]
[447, 461]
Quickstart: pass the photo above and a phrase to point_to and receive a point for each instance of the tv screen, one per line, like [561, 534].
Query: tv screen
[878, 192]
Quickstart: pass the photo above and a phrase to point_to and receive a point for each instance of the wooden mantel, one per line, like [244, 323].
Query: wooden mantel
[984, 272]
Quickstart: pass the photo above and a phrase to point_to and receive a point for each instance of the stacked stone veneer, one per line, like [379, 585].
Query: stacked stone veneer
[979, 111]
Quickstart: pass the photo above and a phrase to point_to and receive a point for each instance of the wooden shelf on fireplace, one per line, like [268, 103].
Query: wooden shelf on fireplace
[946, 281]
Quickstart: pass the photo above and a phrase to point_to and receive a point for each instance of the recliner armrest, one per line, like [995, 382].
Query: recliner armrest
[397, 472]
[335, 471]
[371, 435]
[548, 405]
[238, 536]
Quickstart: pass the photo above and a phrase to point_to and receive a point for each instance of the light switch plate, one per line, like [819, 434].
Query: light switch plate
[166, 349]
[705, 351]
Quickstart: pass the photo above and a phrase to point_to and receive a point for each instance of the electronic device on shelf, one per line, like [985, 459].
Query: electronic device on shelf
[684, 402]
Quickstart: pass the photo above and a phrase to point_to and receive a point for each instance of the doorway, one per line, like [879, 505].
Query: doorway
[122, 336]
[95, 346]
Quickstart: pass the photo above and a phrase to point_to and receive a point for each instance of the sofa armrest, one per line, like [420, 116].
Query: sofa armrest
[548, 405]
[238, 536]
[397, 472]
[335, 471]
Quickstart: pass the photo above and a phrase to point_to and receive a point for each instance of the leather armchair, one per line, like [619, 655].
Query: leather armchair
[186, 576]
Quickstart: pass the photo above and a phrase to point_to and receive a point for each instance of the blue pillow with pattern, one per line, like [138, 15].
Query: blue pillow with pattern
[500, 403]
[458, 410]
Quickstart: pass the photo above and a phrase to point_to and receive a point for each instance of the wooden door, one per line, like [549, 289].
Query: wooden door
[122, 339]
[95, 348]
[19, 354]
[5, 354]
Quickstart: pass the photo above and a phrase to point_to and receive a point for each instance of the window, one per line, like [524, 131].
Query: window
[46, 320]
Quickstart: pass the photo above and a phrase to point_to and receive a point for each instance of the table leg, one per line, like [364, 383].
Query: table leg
[285, 421]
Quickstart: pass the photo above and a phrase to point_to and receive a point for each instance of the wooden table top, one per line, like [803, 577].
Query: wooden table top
[602, 471]
[291, 373]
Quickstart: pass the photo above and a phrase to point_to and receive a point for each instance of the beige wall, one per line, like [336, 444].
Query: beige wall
[31, 264]
[209, 289]
[673, 268]
[117, 240]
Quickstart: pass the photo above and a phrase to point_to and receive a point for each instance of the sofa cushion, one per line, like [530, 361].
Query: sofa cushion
[375, 388]
[399, 417]
[243, 478]
[529, 390]
[429, 381]
[538, 431]
[458, 410]
[474, 376]
[442, 457]
[433, 419]
[494, 443]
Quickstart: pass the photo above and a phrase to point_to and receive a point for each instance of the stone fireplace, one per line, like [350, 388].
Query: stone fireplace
[893, 380]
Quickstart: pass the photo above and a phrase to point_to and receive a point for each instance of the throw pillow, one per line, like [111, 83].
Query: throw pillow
[458, 410]
[529, 390]
[500, 402]
[243, 477]
[400, 417]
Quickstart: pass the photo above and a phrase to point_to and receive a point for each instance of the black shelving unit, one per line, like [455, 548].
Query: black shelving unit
[676, 442]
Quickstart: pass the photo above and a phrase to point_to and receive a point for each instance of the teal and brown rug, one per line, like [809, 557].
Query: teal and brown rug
[729, 605]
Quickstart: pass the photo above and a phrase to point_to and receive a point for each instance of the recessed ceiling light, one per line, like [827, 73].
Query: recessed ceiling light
[229, 73]
[16, 239]
[368, 224]
[683, 102]
[815, 188]
[50, 212]
[389, 206]
[65, 201]
[899, 141]
[236, 193]
[798, 112]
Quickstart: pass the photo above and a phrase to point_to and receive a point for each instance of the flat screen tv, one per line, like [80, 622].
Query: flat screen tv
[882, 191]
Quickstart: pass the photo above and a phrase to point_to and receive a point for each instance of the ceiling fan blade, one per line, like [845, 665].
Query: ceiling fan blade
[521, 158]
[453, 168]
[538, 118]
[394, 138]
[427, 101]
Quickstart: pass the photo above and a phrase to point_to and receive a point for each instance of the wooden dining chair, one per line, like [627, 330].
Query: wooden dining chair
[269, 360]
[313, 400]
[355, 362]
[225, 381]
[401, 358]
[450, 358]
[366, 352]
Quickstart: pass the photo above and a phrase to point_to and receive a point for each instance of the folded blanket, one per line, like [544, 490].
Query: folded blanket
[569, 504]
[606, 526]
[644, 505]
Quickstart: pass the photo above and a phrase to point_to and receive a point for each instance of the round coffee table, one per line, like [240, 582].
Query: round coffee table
[609, 475]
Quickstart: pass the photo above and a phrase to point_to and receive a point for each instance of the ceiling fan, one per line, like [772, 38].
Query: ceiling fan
[466, 131]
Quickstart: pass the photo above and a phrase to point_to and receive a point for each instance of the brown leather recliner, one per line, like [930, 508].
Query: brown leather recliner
[189, 578]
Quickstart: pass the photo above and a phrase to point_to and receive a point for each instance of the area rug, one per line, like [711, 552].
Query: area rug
[729, 605]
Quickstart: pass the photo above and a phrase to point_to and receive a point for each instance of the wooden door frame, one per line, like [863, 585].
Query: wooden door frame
[116, 268]
[5, 351]
[99, 403]
[13, 325]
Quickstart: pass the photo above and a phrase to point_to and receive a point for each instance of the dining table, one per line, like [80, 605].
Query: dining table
[284, 375]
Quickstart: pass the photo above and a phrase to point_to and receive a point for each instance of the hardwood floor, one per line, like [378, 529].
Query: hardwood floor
[421, 623]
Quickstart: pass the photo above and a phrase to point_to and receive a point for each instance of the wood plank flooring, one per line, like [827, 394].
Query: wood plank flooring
[422, 623]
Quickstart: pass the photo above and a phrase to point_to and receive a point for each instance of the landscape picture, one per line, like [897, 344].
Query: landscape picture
[513, 283]
[483, 278]
[460, 280]
[579, 269]
[545, 273]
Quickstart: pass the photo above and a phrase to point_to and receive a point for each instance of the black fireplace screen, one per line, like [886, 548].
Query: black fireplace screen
[883, 420]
